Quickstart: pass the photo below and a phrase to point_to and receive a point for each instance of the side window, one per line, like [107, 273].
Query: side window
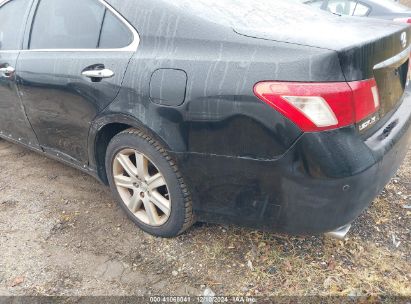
[361, 10]
[77, 24]
[12, 21]
[342, 7]
[62, 24]
[114, 33]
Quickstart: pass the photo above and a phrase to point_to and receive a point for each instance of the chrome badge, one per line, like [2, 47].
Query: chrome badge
[368, 123]
[404, 39]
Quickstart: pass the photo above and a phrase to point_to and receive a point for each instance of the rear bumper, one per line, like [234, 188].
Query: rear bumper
[322, 183]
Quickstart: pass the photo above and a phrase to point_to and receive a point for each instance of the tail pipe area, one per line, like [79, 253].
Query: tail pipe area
[340, 233]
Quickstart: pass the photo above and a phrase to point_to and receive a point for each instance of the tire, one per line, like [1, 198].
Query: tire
[164, 211]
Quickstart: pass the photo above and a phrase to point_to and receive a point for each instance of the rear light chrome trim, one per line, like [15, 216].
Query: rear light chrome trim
[394, 61]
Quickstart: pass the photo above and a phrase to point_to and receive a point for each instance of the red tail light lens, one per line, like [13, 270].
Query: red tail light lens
[404, 20]
[321, 106]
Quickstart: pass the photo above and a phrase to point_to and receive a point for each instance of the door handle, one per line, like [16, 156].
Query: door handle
[7, 72]
[98, 75]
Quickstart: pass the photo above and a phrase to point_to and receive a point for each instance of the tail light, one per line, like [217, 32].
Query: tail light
[321, 106]
[404, 20]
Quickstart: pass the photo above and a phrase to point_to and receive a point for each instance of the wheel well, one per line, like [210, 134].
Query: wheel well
[103, 138]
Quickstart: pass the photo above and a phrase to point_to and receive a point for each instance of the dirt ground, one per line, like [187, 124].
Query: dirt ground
[61, 233]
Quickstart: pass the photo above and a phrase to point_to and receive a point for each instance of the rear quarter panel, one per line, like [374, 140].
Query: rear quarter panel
[220, 114]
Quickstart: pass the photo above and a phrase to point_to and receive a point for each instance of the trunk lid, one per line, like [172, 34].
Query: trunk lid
[367, 48]
[385, 58]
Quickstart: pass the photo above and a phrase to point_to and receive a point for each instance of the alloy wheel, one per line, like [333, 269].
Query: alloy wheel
[142, 187]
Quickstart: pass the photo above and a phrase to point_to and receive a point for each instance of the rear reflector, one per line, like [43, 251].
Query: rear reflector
[321, 106]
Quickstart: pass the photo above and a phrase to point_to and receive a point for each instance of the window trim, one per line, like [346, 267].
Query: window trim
[364, 4]
[132, 47]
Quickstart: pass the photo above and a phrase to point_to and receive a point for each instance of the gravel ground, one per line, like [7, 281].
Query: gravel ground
[61, 233]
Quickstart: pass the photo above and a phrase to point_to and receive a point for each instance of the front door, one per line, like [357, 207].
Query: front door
[76, 57]
[13, 121]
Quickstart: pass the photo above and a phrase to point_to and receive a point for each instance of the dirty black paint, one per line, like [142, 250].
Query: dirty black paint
[168, 87]
[13, 120]
[243, 161]
[60, 102]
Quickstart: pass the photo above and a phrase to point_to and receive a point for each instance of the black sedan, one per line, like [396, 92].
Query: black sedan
[381, 9]
[227, 111]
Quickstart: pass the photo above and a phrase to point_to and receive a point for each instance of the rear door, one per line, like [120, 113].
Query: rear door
[13, 120]
[77, 54]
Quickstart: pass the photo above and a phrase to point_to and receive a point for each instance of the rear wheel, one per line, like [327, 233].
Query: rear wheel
[147, 184]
